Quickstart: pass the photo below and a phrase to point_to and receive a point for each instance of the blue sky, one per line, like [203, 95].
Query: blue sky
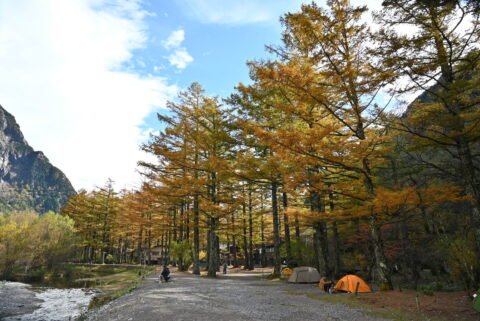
[219, 49]
[85, 78]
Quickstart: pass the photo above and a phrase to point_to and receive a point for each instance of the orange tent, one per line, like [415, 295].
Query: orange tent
[349, 284]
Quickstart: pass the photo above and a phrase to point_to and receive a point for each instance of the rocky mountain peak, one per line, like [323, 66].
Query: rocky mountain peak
[27, 179]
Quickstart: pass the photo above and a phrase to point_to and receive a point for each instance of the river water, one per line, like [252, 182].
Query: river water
[47, 304]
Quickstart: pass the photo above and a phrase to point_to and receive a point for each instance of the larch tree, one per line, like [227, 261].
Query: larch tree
[255, 107]
[330, 81]
[440, 56]
[193, 159]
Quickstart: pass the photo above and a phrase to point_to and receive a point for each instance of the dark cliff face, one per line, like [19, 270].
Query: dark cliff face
[27, 179]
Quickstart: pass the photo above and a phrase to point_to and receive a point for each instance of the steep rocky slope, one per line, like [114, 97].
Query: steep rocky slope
[27, 179]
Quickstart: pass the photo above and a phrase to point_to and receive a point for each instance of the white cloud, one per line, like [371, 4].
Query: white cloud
[180, 58]
[175, 39]
[62, 78]
[250, 11]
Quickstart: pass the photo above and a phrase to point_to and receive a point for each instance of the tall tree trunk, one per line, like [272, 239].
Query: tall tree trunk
[196, 221]
[245, 243]
[262, 229]
[276, 234]
[217, 248]
[149, 246]
[336, 250]
[335, 239]
[139, 244]
[287, 228]
[174, 212]
[126, 249]
[250, 228]
[187, 222]
[169, 246]
[320, 240]
[85, 254]
[208, 247]
[212, 248]
[234, 242]
[297, 228]
[405, 260]
[162, 247]
[213, 259]
[196, 236]
[228, 249]
[182, 214]
[319, 243]
[382, 271]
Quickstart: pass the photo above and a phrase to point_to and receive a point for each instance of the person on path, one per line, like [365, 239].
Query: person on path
[225, 266]
[166, 273]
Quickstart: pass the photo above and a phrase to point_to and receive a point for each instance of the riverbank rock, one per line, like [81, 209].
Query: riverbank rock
[17, 299]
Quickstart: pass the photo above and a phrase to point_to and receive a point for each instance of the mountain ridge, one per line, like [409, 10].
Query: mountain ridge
[27, 178]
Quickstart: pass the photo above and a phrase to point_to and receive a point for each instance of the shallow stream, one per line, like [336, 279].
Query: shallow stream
[23, 302]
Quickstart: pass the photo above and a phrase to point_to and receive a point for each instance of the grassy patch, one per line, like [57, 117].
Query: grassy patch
[353, 301]
[117, 284]
[266, 284]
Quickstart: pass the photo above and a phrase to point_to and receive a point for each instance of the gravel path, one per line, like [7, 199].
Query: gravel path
[230, 298]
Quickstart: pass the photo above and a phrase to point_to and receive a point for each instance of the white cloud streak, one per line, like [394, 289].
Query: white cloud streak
[180, 58]
[175, 39]
[62, 78]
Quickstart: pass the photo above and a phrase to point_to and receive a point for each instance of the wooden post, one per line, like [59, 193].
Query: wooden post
[356, 288]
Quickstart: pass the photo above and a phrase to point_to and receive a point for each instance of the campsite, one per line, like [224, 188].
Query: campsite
[262, 298]
[401, 304]
[239, 160]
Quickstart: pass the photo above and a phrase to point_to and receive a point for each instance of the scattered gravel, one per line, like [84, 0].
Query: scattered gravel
[191, 297]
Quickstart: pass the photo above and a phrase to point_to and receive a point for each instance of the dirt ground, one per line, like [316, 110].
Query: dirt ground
[235, 297]
[441, 305]
[242, 295]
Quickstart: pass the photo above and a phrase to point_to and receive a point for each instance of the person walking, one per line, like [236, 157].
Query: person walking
[225, 266]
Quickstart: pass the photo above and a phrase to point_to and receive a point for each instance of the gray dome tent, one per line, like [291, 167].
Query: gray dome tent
[304, 274]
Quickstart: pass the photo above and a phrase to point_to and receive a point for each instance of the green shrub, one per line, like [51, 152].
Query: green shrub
[426, 289]
[182, 253]
[354, 261]
[29, 241]
[37, 275]
[109, 259]
[302, 254]
[463, 260]
[437, 286]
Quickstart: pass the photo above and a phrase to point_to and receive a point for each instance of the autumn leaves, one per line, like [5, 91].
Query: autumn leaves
[316, 126]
